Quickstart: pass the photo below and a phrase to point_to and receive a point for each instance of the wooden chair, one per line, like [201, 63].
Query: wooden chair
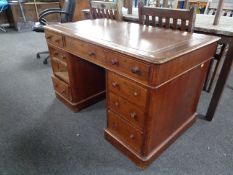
[181, 19]
[101, 9]
[168, 18]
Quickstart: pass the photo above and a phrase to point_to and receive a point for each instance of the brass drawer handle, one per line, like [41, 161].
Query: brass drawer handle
[131, 136]
[114, 62]
[92, 53]
[135, 70]
[115, 84]
[133, 115]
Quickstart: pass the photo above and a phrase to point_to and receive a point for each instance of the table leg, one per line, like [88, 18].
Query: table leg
[224, 73]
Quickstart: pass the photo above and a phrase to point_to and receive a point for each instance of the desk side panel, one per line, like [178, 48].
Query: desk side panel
[173, 108]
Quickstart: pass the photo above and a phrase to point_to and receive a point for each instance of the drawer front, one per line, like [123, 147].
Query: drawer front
[58, 55]
[127, 110]
[124, 132]
[129, 66]
[62, 88]
[85, 50]
[54, 39]
[60, 69]
[123, 87]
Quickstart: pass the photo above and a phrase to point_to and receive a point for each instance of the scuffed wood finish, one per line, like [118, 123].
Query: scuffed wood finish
[153, 80]
[167, 17]
[135, 40]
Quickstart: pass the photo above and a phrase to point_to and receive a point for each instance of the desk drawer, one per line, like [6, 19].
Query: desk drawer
[128, 89]
[127, 110]
[129, 66]
[60, 69]
[54, 39]
[124, 132]
[58, 55]
[62, 88]
[85, 50]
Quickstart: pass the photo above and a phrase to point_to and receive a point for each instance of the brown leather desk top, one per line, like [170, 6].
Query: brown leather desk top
[154, 45]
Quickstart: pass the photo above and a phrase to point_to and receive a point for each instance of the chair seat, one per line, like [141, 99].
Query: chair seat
[38, 27]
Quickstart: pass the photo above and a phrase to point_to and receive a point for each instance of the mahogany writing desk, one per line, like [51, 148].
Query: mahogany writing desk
[153, 78]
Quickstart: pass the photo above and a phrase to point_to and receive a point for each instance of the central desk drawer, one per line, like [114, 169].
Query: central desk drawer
[128, 89]
[123, 131]
[127, 65]
[127, 110]
[85, 50]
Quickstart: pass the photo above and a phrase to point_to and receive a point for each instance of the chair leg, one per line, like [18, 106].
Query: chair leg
[2, 29]
[213, 76]
[46, 60]
[208, 75]
[39, 53]
[217, 66]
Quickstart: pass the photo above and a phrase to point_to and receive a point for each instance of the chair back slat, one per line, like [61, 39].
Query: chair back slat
[174, 25]
[147, 20]
[160, 21]
[183, 25]
[167, 17]
[153, 21]
[167, 23]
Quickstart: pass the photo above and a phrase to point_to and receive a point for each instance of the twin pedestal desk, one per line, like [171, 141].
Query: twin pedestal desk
[152, 79]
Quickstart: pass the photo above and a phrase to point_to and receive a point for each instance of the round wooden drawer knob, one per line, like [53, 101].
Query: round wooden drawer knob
[131, 136]
[133, 115]
[92, 53]
[57, 40]
[114, 62]
[135, 94]
[135, 70]
[116, 104]
[48, 37]
[114, 84]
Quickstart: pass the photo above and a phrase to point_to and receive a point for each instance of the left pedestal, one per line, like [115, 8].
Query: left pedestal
[77, 83]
